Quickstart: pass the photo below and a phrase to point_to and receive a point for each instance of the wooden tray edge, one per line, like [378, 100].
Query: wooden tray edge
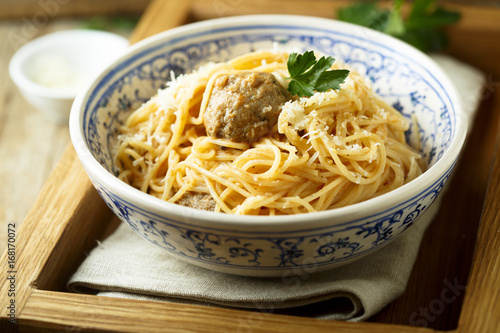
[44, 232]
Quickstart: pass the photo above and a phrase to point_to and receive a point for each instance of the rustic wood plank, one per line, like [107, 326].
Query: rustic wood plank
[159, 16]
[30, 145]
[47, 241]
[483, 291]
[41, 9]
[60, 311]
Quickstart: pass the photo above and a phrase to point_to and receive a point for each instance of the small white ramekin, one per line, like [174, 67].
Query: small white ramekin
[51, 70]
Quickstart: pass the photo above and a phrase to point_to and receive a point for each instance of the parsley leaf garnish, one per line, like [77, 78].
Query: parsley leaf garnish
[422, 28]
[309, 75]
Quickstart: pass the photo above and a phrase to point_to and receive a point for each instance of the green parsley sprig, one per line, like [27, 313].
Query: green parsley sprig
[308, 75]
[422, 28]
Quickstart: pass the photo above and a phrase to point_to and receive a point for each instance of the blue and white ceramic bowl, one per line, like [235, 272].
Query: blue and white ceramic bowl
[264, 245]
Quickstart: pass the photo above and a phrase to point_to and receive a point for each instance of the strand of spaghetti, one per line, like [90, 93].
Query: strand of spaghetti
[301, 203]
[180, 193]
[138, 145]
[292, 136]
[180, 121]
[359, 169]
[197, 99]
[159, 161]
[218, 201]
[351, 194]
[217, 178]
[226, 143]
[305, 187]
[135, 156]
[275, 162]
[153, 170]
[310, 175]
[231, 198]
[156, 186]
[173, 159]
[324, 190]
[395, 117]
[272, 67]
[256, 202]
[398, 176]
[348, 174]
[142, 113]
[329, 197]
[292, 159]
[163, 121]
[255, 177]
[242, 178]
[123, 163]
[123, 176]
[254, 59]
[196, 151]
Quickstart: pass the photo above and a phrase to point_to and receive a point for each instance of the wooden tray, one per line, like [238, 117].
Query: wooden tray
[460, 248]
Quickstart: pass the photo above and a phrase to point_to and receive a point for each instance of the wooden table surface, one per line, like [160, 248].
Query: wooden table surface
[31, 146]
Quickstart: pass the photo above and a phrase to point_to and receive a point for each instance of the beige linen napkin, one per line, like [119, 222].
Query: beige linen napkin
[125, 265]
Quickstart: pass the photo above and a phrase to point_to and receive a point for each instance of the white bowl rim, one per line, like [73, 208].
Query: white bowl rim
[350, 214]
[37, 44]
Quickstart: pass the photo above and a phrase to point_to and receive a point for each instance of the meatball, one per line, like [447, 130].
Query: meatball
[244, 106]
[203, 201]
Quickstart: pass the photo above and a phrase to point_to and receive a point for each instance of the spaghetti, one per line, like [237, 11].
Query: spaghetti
[329, 150]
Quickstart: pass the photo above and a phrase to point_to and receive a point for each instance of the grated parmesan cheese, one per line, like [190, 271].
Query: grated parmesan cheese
[355, 147]
[312, 158]
[267, 108]
[337, 141]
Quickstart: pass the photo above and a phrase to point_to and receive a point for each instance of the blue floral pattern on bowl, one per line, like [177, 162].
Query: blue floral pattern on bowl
[399, 79]
[304, 248]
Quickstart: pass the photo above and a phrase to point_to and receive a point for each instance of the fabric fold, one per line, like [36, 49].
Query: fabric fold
[118, 267]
